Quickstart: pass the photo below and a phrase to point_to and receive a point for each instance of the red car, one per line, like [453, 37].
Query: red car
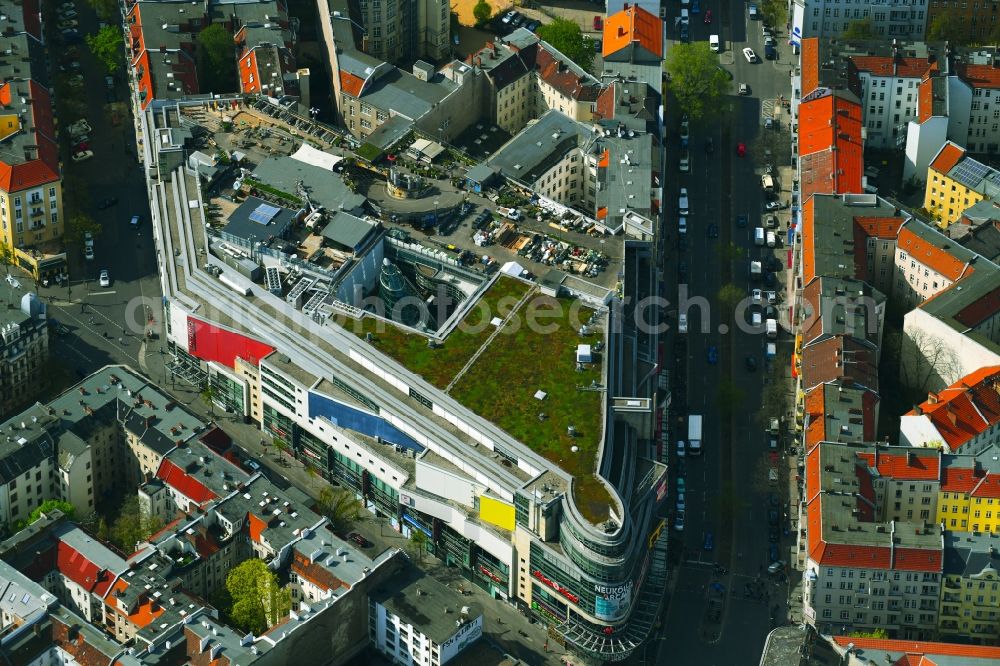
[598, 23]
[80, 147]
[708, 16]
[741, 149]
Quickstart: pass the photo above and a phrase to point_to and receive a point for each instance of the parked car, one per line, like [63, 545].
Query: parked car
[681, 503]
[713, 231]
[679, 521]
[88, 252]
[66, 14]
[744, 89]
[359, 540]
[756, 297]
[752, 12]
[82, 155]
[105, 279]
[66, 24]
[684, 163]
[774, 205]
[713, 355]
[708, 543]
[598, 23]
[682, 323]
[741, 221]
[695, 7]
[135, 221]
[751, 363]
[682, 202]
[741, 150]
[88, 239]
[680, 448]
[508, 17]
[685, 130]
[517, 20]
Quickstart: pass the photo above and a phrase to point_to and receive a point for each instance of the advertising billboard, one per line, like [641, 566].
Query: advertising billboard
[612, 601]
[466, 635]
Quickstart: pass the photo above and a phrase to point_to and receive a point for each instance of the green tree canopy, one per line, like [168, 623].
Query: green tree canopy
[258, 600]
[50, 505]
[774, 12]
[106, 9]
[133, 524]
[876, 633]
[568, 38]
[216, 58]
[482, 11]
[340, 506]
[696, 80]
[949, 27]
[729, 295]
[80, 224]
[860, 29]
[106, 46]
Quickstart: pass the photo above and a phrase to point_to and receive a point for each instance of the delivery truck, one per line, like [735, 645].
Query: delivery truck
[694, 434]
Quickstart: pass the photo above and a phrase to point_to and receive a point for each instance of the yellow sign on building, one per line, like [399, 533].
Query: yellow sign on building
[496, 512]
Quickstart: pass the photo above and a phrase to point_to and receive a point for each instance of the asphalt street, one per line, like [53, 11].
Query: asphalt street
[703, 622]
[89, 311]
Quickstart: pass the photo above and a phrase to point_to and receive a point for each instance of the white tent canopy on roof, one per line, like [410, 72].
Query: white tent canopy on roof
[315, 157]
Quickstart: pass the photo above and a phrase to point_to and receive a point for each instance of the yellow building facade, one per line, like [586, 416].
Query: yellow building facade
[955, 183]
[960, 512]
[970, 594]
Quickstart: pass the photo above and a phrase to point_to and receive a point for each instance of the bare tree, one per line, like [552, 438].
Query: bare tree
[926, 362]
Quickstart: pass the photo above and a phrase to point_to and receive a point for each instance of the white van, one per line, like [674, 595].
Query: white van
[714, 44]
[767, 182]
[759, 236]
[772, 240]
[756, 320]
[771, 328]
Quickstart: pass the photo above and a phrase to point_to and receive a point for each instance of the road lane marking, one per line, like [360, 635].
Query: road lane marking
[102, 293]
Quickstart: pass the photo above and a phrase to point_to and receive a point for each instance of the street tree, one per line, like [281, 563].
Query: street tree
[418, 544]
[697, 81]
[106, 45]
[774, 12]
[567, 37]
[208, 396]
[860, 29]
[6, 255]
[340, 506]
[106, 9]
[80, 224]
[926, 363]
[259, 602]
[949, 27]
[51, 505]
[215, 59]
[730, 253]
[483, 12]
[728, 297]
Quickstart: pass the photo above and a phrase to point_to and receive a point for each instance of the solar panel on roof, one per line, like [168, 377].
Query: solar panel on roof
[970, 172]
[264, 213]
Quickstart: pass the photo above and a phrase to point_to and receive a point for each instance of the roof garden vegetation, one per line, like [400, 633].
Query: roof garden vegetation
[502, 383]
[439, 365]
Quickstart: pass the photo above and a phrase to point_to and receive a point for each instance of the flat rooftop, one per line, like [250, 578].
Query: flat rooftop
[465, 366]
[429, 606]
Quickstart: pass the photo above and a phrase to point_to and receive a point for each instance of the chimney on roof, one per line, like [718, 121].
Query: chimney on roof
[932, 398]
[911, 458]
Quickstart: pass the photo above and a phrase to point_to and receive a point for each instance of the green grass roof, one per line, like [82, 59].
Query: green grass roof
[500, 386]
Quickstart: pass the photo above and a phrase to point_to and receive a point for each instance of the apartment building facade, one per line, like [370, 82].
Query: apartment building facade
[963, 417]
[956, 182]
[399, 31]
[904, 19]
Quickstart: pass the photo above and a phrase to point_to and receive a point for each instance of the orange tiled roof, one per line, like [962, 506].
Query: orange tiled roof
[831, 146]
[45, 167]
[980, 76]
[925, 100]
[907, 68]
[633, 24]
[941, 261]
[808, 239]
[966, 408]
[815, 409]
[946, 159]
[920, 647]
[351, 84]
[810, 65]
[911, 467]
[257, 527]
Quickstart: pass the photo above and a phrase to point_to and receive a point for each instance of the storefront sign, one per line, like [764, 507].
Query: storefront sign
[556, 586]
[489, 574]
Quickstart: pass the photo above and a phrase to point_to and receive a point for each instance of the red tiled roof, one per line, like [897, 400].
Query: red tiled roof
[184, 483]
[44, 168]
[72, 564]
[866, 490]
[947, 157]
[988, 486]
[317, 575]
[810, 65]
[885, 228]
[959, 479]
[979, 76]
[564, 79]
[938, 260]
[143, 615]
[822, 362]
[966, 408]
[980, 310]
[31, 14]
[915, 467]
[920, 647]
[815, 410]
[907, 68]
[835, 554]
[917, 559]
[351, 84]
[633, 24]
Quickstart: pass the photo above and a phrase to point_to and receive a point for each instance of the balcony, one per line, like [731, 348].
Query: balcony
[952, 598]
